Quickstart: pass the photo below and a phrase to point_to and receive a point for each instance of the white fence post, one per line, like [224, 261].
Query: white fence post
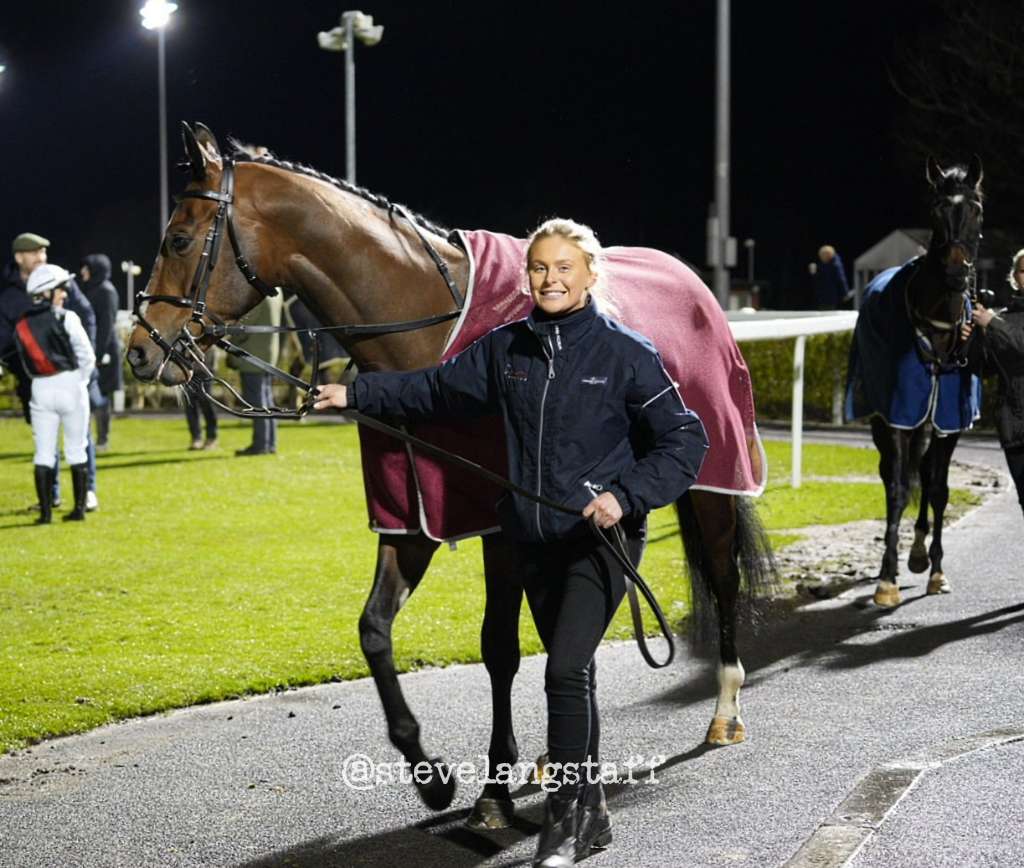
[797, 425]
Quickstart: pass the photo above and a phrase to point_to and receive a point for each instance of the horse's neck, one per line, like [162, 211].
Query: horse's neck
[353, 263]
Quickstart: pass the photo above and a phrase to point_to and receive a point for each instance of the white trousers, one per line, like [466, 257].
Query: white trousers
[62, 397]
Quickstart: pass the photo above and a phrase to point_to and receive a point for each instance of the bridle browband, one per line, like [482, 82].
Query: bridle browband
[184, 350]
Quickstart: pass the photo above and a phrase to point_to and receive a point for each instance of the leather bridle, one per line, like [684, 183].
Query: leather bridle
[184, 350]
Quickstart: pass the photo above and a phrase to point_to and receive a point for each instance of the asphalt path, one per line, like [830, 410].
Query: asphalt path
[875, 739]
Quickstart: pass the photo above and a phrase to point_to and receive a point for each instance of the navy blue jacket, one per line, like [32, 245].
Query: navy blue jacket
[587, 406]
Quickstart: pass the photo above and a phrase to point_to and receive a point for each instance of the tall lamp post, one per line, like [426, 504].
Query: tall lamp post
[354, 25]
[156, 15]
[721, 245]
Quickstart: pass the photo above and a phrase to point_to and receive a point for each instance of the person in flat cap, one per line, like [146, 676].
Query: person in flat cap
[58, 355]
[30, 251]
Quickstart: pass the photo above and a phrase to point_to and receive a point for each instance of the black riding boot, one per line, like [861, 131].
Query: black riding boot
[44, 491]
[102, 415]
[594, 826]
[556, 847]
[79, 481]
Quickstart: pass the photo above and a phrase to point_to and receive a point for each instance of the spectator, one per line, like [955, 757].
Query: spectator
[57, 354]
[1002, 332]
[255, 381]
[831, 290]
[95, 274]
[197, 402]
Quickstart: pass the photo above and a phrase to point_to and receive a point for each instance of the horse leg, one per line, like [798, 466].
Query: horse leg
[499, 646]
[893, 466]
[938, 494]
[716, 519]
[918, 561]
[401, 563]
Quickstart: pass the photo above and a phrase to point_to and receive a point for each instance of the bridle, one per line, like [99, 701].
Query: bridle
[954, 227]
[184, 350]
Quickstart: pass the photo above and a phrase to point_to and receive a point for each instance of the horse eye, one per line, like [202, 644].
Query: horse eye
[180, 243]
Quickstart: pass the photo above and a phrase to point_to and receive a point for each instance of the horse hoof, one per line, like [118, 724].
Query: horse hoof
[937, 584]
[437, 789]
[491, 814]
[918, 562]
[725, 731]
[537, 775]
[887, 595]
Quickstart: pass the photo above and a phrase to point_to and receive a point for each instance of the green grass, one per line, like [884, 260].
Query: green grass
[205, 576]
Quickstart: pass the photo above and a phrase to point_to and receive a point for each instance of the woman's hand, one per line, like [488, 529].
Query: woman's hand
[333, 395]
[982, 315]
[605, 509]
[965, 332]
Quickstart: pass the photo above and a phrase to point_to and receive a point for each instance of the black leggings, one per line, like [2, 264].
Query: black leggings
[573, 588]
[1015, 462]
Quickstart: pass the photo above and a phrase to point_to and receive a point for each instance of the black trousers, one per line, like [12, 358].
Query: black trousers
[1015, 462]
[574, 589]
[196, 404]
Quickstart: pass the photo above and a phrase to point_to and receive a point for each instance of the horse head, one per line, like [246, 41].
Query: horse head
[193, 283]
[956, 218]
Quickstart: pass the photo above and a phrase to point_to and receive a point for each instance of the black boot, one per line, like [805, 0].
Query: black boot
[44, 491]
[79, 481]
[556, 847]
[102, 415]
[594, 825]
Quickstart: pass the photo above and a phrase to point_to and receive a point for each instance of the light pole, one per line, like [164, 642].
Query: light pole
[156, 15]
[721, 246]
[749, 244]
[354, 25]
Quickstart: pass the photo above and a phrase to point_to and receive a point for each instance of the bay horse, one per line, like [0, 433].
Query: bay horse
[909, 370]
[354, 257]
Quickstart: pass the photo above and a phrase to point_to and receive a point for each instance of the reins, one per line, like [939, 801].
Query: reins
[185, 351]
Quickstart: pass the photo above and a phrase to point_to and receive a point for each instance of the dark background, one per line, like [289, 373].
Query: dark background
[479, 114]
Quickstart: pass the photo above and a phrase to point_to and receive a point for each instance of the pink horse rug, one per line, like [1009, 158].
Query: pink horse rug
[657, 296]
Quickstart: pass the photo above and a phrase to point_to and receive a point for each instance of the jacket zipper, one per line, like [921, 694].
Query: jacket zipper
[540, 428]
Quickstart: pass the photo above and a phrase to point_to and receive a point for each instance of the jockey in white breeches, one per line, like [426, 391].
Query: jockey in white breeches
[56, 351]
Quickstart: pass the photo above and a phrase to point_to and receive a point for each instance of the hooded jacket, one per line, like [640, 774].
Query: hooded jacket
[104, 300]
[587, 407]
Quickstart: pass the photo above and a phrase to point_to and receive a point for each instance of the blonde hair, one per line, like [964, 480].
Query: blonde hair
[1015, 284]
[586, 240]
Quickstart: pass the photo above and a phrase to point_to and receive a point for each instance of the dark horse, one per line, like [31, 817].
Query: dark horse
[908, 369]
[353, 257]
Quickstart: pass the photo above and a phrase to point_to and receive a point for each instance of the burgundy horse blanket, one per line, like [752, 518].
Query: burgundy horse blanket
[657, 296]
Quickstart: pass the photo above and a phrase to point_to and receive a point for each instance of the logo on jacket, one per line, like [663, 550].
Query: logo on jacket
[512, 374]
[595, 381]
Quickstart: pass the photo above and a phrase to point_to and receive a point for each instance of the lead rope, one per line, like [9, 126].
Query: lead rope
[614, 542]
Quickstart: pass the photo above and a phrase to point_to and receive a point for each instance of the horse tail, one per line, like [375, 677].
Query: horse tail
[752, 556]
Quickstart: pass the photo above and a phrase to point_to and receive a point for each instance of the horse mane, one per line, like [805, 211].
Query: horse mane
[245, 153]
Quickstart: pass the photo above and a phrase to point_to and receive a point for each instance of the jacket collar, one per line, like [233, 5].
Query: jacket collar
[571, 327]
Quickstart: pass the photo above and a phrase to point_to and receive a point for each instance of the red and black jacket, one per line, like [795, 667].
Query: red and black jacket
[43, 342]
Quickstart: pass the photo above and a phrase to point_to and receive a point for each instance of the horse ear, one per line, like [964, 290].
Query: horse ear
[974, 172]
[208, 143]
[196, 160]
[932, 171]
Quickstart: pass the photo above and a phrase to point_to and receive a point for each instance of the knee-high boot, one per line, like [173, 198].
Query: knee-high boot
[44, 491]
[79, 481]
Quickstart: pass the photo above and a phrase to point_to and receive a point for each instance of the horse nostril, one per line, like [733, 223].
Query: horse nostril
[136, 356]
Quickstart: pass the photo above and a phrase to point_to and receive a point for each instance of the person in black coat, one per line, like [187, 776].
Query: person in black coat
[593, 421]
[1002, 333]
[95, 273]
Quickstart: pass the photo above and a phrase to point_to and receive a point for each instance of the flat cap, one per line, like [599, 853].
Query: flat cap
[29, 241]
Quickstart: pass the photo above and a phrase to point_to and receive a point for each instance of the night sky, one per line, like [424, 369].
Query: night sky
[488, 115]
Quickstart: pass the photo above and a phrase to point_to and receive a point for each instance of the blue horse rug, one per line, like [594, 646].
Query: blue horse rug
[888, 373]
